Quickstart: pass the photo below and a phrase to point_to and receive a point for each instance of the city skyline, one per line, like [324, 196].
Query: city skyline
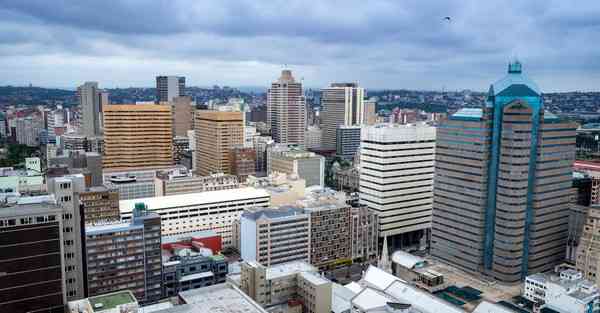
[379, 45]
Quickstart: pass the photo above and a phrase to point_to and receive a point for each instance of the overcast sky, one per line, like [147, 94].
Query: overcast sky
[380, 44]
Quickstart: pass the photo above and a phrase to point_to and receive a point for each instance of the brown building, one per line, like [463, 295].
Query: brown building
[216, 133]
[183, 115]
[243, 162]
[329, 234]
[99, 205]
[137, 136]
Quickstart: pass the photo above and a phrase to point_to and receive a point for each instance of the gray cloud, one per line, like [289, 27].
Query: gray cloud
[381, 44]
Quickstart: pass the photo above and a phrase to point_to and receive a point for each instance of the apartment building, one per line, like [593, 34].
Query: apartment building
[99, 205]
[125, 256]
[274, 236]
[329, 232]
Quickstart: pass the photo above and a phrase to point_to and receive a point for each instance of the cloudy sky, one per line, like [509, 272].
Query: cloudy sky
[380, 44]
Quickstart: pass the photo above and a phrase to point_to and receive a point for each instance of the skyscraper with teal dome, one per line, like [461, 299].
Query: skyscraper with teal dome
[502, 183]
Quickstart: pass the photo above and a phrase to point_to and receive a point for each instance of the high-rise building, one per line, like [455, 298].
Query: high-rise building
[180, 146]
[396, 181]
[65, 190]
[242, 161]
[125, 256]
[342, 106]
[99, 205]
[137, 136]
[90, 100]
[31, 236]
[28, 131]
[370, 115]
[347, 141]
[169, 87]
[183, 115]
[286, 110]
[216, 134]
[503, 183]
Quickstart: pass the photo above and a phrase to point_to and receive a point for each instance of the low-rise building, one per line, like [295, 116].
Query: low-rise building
[188, 213]
[115, 302]
[181, 181]
[281, 283]
[567, 292]
[284, 189]
[25, 181]
[307, 165]
[190, 266]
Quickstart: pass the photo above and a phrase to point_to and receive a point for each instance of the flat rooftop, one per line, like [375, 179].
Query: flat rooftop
[183, 200]
[111, 300]
[221, 298]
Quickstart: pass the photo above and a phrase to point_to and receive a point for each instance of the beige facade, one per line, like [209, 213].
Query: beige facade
[286, 110]
[279, 284]
[137, 136]
[588, 251]
[342, 106]
[168, 183]
[183, 115]
[216, 133]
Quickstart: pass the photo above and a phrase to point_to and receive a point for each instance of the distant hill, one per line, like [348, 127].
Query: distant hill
[10, 95]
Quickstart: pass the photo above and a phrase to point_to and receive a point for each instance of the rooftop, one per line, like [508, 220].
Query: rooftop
[183, 200]
[515, 84]
[468, 114]
[275, 213]
[314, 278]
[221, 298]
[111, 300]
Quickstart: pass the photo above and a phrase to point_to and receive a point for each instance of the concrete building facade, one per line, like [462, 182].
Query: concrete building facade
[342, 106]
[125, 256]
[307, 165]
[347, 141]
[275, 236]
[169, 87]
[503, 182]
[177, 182]
[396, 181]
[186, 213]
[91, 107]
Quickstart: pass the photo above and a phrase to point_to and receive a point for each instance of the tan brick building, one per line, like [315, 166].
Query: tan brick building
[137, 136]
[216, 133]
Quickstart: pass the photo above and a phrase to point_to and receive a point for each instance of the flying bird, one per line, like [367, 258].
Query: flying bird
[448, 18]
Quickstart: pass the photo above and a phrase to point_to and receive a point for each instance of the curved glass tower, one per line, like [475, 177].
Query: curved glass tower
[502, 183]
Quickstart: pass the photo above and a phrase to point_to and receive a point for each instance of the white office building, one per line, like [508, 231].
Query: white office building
[215, 210]
[568, 292]
[396, 181]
